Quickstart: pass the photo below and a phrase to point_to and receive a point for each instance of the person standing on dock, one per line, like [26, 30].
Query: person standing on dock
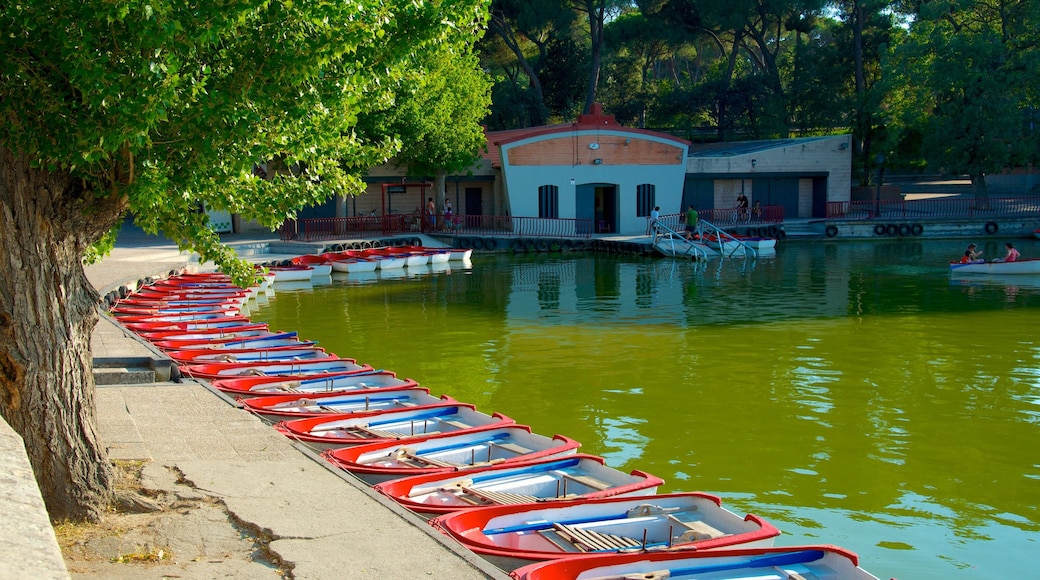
[654, 216]
[691, 222]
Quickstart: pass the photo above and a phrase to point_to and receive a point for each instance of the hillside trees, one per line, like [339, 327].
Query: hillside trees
[969, 83]
[157, 107]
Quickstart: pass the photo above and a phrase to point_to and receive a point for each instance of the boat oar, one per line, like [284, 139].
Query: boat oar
[460, 445]
[541, 524]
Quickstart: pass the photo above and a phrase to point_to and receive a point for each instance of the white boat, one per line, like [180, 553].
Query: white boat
[759, 243]
[439, 256]
[291, 273]
[1027, 266]
[458, 254]
[355, 265]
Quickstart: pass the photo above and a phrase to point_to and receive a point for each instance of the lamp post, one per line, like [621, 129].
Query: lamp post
[880, 159]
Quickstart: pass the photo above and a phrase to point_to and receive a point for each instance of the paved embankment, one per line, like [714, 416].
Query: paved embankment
[237, 499]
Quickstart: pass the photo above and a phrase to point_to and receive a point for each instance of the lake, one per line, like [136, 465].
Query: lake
[849, 392]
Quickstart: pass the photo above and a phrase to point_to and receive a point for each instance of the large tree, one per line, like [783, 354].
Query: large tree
[156, 107]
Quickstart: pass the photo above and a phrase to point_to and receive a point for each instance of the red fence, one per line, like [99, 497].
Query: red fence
[951, 207]
[315, 229]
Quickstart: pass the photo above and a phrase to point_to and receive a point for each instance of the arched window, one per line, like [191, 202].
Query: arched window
[646, 195]
[548, 201]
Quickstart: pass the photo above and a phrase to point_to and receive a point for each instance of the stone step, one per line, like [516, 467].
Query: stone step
[123, 376]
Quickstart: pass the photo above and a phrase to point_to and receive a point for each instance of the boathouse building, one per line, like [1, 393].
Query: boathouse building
[612, 177]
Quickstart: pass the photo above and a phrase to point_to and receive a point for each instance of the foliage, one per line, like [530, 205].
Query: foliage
[169, 105]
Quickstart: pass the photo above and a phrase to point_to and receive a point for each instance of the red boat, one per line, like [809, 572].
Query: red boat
[448, 452]
[315, 384]
[290, 407]
[329, 432]
[291, 350]
[572, 478]
[186, 340]
[182, 317]
[511, 536]
[223, 324]
[285, 369]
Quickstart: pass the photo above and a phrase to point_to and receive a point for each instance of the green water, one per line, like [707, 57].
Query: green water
[850, 393]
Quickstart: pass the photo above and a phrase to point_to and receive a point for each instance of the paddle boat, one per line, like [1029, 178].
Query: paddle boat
[370, 381]
[777, 563]
[511, 536]
[573, 478]
[284, 369]
[1018, 267]
[449, 452]
[290, 407]
[329, 432]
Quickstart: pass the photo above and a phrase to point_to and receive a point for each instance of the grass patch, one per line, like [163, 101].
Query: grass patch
[143, 555]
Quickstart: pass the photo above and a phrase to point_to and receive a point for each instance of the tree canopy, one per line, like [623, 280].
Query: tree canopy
[938, 85]
[157, 108]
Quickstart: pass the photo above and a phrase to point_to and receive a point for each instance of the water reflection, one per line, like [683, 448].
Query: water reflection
[850, 393]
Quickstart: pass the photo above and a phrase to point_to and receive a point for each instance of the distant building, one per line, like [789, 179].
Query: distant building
[613, 176]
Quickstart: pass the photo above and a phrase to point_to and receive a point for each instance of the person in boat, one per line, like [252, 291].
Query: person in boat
[971, 254]
[691, 222]
[1011, 255]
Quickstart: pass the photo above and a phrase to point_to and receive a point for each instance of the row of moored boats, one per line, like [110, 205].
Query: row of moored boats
[531, 504]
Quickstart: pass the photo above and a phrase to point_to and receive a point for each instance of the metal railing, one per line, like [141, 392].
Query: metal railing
[732, 216]
[950, 207]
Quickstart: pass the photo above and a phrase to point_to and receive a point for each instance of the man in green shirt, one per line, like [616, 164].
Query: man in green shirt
[691, 222]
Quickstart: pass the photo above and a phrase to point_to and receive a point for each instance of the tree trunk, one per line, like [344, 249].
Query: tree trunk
[978, 182]
[48, 309]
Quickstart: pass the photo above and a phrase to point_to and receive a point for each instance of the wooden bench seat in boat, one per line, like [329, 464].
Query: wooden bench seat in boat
[512, 448]
[574, 539]
[486, 497]
[586, 480]
[408, 454]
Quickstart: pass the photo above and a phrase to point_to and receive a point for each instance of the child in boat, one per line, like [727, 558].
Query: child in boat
[1011, 255]
[970, 255]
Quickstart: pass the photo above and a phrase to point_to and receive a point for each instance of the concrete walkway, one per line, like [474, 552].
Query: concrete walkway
[308, 520]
